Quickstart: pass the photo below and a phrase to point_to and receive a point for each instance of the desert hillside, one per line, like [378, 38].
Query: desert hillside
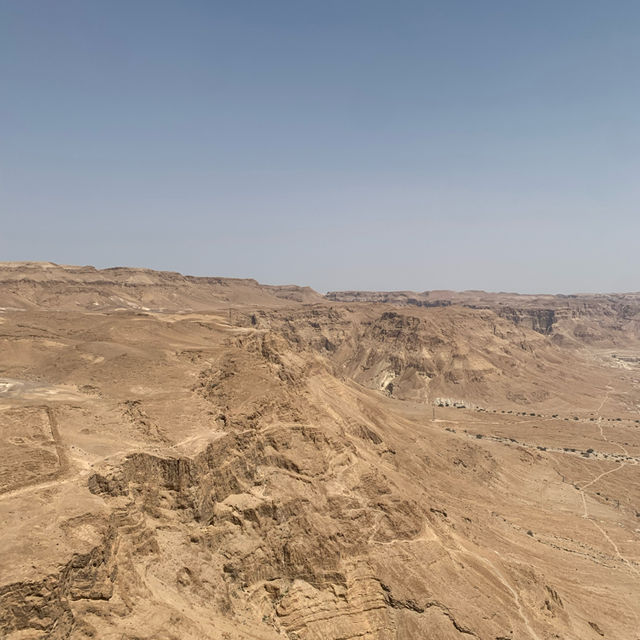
[190, 458]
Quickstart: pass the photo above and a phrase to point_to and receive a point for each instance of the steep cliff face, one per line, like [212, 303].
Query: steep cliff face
[540, 320]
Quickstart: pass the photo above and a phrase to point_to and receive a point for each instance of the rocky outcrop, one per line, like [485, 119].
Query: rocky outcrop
[540, 320]
[48, 605]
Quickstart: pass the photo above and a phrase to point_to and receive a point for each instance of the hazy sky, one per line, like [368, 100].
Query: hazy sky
[343, 144]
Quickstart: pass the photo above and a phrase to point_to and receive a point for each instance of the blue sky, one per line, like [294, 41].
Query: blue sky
[341, 144]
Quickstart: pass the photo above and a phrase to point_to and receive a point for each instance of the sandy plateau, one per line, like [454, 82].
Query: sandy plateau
[190, 458]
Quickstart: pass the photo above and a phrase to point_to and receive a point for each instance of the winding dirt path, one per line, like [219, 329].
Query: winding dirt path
[586, 515]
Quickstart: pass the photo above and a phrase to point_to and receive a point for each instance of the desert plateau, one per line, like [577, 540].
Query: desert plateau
[189, 458]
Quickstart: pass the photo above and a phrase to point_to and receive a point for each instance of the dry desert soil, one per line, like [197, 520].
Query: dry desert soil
[190, 458]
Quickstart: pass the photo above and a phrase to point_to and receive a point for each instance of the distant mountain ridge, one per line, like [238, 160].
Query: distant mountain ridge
[49, 285]
[608, 319]
[581, 317]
